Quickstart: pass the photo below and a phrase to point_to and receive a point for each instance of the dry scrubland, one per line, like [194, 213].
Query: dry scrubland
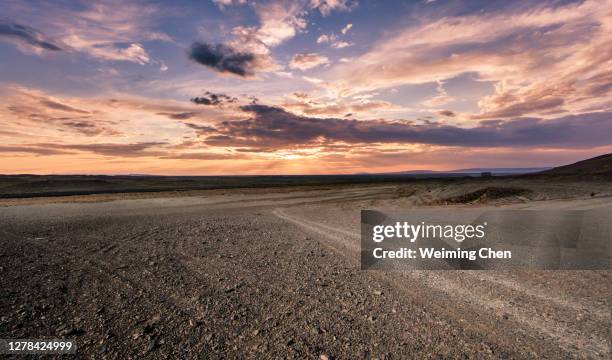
[274, 273]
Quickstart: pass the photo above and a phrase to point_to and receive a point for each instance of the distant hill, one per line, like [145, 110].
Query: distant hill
[501, 170]
[600, 165]
[473, 171]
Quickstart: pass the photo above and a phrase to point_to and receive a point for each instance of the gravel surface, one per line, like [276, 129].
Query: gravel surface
[273, 276]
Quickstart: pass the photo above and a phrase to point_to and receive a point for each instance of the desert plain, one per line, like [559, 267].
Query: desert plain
[273, 272]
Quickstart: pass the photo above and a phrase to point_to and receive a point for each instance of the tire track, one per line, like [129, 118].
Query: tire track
[571, 340]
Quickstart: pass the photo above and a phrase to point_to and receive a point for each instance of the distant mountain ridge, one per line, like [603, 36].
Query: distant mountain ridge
[497, 171]
[597, 166]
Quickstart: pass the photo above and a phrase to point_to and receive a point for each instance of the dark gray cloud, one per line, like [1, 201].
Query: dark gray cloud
[273, 127]
[223, 58]
[213, 99]
[26, 35]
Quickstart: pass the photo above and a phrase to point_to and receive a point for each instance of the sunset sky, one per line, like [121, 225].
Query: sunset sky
[301, 87]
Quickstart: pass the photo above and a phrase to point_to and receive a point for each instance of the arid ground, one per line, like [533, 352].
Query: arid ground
[274, 273]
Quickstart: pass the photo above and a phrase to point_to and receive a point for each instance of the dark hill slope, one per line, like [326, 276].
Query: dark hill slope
[600, 165]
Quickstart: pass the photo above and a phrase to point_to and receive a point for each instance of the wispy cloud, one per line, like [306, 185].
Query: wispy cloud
[336, 41]
[441, 98]
[26, 37]
[543, 58]
[114, 149]
[304, 104]
[307, 61]
[107, 30]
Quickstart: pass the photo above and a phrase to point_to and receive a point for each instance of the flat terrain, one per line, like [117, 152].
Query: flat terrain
[274, 273]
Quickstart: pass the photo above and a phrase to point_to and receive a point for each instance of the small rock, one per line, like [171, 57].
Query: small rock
[152, 345]
[378, 292]
[324, 357]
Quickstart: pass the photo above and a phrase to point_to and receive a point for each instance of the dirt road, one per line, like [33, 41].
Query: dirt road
[256, 275]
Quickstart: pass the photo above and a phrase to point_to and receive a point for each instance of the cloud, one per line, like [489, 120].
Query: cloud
[106, 149]
[33, 109]
[346, 29]
[448, 113]
[134, 53]
[213, 99]
[223, 59]
[107, 30]
[341, 44]
[32, 112]
[326, 7]
[503, 105]
[302, 103]
[59, 106]
[279, 21]
[26, 37]
[18, 149]
[334, 40]
[543, 58]
[202, 130]
[111, 149]
[323, 39]
[85, 126]
[222, 4]
[273, 127]
[441, 98]
[179, 116]
[307, 61]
